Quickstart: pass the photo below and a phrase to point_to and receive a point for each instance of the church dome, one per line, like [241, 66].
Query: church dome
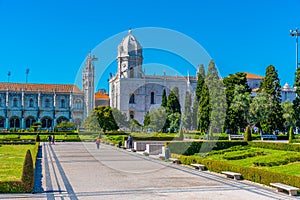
[286, 86]
[129, 46]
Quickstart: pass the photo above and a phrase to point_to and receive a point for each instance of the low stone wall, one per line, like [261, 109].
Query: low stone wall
[141, 145]
[154, 149]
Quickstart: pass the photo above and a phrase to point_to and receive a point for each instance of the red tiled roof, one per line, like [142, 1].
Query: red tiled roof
[99, 95]
[253, 76]
[34, 87]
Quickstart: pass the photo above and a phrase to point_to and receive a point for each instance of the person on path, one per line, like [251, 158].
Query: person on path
[53, 140]
[49, 139]
[98, 143]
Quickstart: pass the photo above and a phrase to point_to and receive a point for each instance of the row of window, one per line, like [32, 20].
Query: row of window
[15, 103]
[132, 98]
[15, 122]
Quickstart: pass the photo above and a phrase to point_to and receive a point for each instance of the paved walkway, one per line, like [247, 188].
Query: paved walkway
[80, 171]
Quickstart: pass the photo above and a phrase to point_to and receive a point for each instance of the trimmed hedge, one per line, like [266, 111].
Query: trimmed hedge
[249, 173]
[27, 179]
[28, 172]
[276, 146]
[190, 148]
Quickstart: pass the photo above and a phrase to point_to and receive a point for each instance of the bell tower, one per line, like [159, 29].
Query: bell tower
[130, 58]
[88, 86]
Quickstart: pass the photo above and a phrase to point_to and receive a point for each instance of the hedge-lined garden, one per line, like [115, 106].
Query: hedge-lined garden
[260, 162]
[17, 164]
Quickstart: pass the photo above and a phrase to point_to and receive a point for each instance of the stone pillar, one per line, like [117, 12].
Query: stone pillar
[22, 123]
[70, 106]
[54, 109]
[6, 122]
[39, 106]
[7, 107]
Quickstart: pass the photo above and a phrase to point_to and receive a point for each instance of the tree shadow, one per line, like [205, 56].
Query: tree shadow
[38, 175]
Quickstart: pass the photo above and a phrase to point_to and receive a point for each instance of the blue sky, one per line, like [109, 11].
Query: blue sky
[52, 38]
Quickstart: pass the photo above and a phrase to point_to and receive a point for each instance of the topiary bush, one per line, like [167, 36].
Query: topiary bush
[248, 136]
[291, 135]
[28, 173]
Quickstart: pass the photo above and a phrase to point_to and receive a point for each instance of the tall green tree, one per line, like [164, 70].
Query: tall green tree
[271, 85]
[164, 99]
[120, 118]
[217, 98]
[199, 86]
[147, 119]
[91, 123]
[239, 109]
[260, 108]
[230, 83]
[187, 117]
[200, 82]
[105, 118]
[158, 119]
[204, 109]
[173, 104]
[296, 102]
[288, 115]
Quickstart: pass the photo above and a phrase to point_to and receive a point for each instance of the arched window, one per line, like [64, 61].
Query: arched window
[31, 103]
[61, 119]
[47, 103]
[14, 122]
[131, 99]
[62, 103]
[78, 104]
[46, 122]
[15, 102]
[152, 98]
[131, 114]
[29, 121]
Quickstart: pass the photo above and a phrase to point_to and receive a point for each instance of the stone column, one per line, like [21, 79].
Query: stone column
[54, 109]
[6, 122]
[39, 106]
[7, 107]
[70, 106]
[22, 125]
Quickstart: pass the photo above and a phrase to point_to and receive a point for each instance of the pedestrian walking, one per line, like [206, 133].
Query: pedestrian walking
[53, 140]
[49, 138]
[98, 143]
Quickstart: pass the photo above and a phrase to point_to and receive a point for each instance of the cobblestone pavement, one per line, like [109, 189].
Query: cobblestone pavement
[80, 171]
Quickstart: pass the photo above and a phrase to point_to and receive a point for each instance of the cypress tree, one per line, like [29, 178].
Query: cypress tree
[199, 86]
[217, 98]
[248, 136]
[296, 102]
[230, 82]
[271, 85]
[173, 104]
[187, 119]
[291, 135]
[164, 99]
[204, 110]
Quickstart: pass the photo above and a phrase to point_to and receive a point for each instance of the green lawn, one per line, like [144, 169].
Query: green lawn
[286, 162]
[11, 162]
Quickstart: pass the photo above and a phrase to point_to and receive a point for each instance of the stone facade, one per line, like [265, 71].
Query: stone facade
[135, 93]
[23, 104]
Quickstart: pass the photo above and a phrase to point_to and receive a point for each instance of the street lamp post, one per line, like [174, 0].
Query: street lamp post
[295, 33]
